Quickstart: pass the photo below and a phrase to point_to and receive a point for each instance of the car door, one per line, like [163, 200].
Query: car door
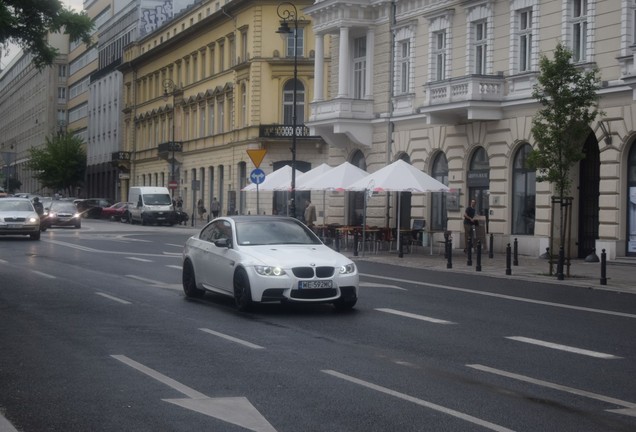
[216, 264]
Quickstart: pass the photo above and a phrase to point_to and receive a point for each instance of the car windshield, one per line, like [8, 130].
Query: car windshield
[157, 199]
[10, 205]
[271, 232]
[63, 207]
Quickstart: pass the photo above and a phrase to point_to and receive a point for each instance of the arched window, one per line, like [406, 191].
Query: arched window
[523, 193]
[288, 102]
[438, 199]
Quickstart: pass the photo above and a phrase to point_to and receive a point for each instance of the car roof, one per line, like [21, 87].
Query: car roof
[252, 218]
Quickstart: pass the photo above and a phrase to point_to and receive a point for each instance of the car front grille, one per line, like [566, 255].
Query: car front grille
[314, 293]
[310, 273]
[15, 219]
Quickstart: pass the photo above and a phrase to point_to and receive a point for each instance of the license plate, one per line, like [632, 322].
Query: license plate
[14, 225]
[315, 284]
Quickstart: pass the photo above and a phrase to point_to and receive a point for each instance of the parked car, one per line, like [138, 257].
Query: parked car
[92, 207]
[115, 212]
[267, 259]
[61, 213]
[18, 217]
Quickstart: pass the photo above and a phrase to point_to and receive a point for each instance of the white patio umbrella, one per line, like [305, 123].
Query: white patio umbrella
[305, 177]
[398, 177]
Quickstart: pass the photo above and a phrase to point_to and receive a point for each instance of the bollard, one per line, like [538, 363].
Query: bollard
[490, 251]
[469, 252]
[478, 266]
[603, 268]
[401, 239]
[337, 241]
[560, 275]
[508, 253]
[515, 254]
[355, 242]
[192, 220]
[449, 254]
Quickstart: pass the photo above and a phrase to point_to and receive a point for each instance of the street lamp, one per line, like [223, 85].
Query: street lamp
[169, 88]
[288, 13]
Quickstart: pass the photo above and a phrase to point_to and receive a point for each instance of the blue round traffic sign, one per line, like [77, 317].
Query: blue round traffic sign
[257, 176]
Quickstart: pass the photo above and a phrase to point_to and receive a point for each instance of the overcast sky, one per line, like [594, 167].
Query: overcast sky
[13, 50]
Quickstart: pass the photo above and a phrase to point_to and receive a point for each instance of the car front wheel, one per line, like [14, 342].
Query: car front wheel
[189, 282]
[345, 304]
[35, 236]
[242, 291]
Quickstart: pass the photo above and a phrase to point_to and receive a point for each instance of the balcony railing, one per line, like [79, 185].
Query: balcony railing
[466, 89]
[283, 131]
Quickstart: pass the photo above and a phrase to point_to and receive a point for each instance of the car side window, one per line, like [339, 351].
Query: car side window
[216, 230]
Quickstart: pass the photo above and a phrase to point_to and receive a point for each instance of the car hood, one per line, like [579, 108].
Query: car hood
[288, 256]
[17, 214]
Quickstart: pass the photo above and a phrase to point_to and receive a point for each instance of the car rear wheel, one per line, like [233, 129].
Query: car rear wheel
[189, 282]
[242, 291]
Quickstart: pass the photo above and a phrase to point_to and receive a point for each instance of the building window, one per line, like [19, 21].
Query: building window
[212, 60]
[438, 199]
[359, 67]
[221, 119]
[232, 49]
[244, 45]
[439, 55]
[404, 67]
[221, 45]
[201, 121]
[300, 40]
[480, 46]
[578, 28]
[524, 40]
[288, 102]
[211, 118]
[243, 105]
[524, 193]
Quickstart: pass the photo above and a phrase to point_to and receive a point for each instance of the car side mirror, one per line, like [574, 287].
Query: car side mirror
[223, 243]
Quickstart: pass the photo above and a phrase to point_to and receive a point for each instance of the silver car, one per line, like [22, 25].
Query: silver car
[18, 217]
[267, 259]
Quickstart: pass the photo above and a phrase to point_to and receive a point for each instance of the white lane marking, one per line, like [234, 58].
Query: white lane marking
[139, 259]
[503, 296]
[173, 253]
[150, 281]
[629, 405]
[414, 316]
[46, 275]
[175, 245]
[178, 267]
[562, 347]
[420, 402]
[112, 298]
[4, 262]
[374, 285]
[231, 338]
[235, 410]
[87, 249]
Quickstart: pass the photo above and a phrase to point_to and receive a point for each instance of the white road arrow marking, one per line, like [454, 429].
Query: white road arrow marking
[235, 410]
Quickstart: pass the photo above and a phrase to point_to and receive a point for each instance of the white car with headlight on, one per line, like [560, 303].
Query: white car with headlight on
[18, 217]
[267, 259]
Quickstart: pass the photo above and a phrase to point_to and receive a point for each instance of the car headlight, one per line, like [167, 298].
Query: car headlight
[33, 220]
[269, 270]
[348, 268]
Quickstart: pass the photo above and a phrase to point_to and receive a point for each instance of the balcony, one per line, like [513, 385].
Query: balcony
[282, 131]
[121, 159]
[473, 97]
[167, 150]
[343, 117]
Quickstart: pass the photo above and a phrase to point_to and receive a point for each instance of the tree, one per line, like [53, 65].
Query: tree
[28, 23]
[569, 98]
[60, 164]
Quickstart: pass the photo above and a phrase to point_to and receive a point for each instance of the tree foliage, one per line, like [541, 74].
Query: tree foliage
[569, 98]
[27, 23]
[60, 164]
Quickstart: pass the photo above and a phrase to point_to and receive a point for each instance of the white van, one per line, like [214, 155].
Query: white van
[151, 205]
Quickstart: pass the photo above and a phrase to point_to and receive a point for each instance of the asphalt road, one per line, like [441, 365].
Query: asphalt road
[96, 335]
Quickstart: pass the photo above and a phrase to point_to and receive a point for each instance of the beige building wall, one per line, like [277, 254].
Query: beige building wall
[466, 109]
[222, 72]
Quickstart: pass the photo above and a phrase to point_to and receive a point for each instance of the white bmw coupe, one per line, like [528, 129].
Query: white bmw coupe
[267, 259]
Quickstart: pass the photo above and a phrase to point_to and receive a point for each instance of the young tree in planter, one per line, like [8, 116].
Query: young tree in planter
[60, 164]
[569, 99]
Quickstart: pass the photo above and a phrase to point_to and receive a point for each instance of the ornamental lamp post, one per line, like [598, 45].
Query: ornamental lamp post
[288, 13]
[169, 89]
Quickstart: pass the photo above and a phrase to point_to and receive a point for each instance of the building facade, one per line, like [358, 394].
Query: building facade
[446, 85]
[206, 87]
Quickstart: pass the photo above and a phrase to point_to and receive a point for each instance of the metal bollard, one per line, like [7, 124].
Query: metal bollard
[560, 263]
[337, 240]
[478, 266]
[355, 243]
[603, 268]
[401, 239]
[449, 254]
[469, 252]
[508, 258]
[515, 253]
[490, 251]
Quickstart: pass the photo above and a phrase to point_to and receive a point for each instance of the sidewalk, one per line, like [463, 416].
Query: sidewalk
[620, 274]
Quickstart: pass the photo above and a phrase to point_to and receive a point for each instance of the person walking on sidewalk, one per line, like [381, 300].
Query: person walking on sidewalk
[215, 207]
[469, 224]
